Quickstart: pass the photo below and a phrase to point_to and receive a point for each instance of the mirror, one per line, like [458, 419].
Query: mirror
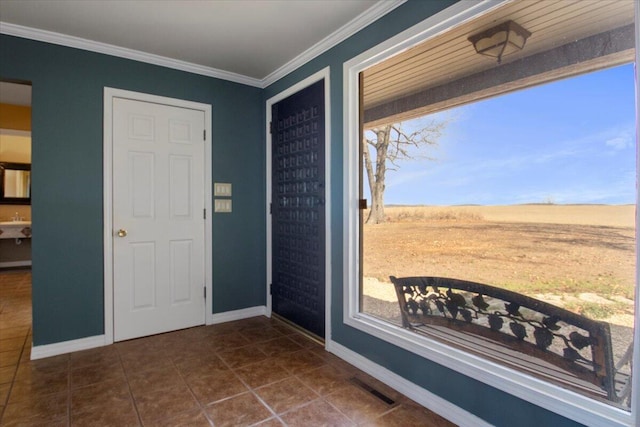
[15, 183]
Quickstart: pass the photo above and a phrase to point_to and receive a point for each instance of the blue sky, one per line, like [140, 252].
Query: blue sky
[570, 141]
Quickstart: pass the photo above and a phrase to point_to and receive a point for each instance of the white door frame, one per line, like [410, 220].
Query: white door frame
[323, 74]
[109, 95]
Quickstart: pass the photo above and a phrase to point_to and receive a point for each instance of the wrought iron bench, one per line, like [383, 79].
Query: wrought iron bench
[542, 339]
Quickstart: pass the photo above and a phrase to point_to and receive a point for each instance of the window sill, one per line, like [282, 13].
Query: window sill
[551, 397]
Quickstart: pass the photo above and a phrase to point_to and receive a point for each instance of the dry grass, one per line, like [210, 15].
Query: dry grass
[603, 215]
[552, 252]
[422, 214]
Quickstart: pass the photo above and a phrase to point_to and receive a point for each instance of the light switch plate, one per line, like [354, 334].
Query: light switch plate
[222, 189]
[222, 205]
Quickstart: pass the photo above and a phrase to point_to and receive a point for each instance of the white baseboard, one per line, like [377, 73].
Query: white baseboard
[418, 394]
[48, 350]
[9, 264]
[55, 349]
[244, 313]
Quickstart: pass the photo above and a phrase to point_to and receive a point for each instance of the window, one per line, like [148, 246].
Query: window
[526, 184]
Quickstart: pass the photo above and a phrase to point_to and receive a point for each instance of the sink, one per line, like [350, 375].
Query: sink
[15, 229]
[15, 223]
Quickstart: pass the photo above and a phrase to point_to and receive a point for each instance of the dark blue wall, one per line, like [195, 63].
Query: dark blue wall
[67, 209]
[495, 406]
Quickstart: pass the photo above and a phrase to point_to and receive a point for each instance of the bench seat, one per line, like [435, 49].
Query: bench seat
[512, 329]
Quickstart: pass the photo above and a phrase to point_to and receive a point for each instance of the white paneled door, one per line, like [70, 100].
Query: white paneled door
[158, 207]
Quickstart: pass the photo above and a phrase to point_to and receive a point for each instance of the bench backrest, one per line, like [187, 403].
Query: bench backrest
[568, 340]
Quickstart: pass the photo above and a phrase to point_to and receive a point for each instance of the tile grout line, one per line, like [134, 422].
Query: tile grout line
[324, 398]
[301, 366]
[16, 287]
[260, 399]
[252, 389]
[69, 391]
[15, 373]
[200, 405]
[126, 377]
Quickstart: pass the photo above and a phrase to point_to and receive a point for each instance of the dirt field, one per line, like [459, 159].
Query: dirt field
[581, 257]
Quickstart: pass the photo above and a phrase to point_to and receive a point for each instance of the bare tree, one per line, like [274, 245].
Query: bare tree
[390, 145]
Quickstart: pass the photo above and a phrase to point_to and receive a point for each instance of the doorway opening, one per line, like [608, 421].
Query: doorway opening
[298, 205]
[15, 223]
[15, 174]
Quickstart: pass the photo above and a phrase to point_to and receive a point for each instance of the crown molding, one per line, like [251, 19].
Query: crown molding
[367, 17]
[121, 52]
[358, 23]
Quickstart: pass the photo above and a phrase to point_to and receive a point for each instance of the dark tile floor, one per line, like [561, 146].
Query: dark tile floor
[251, 372]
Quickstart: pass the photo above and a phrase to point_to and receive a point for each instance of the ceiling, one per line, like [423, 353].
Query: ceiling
[248, 41]
[15, 94]
[256, 42]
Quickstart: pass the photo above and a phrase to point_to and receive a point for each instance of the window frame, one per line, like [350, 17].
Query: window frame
[564, 402]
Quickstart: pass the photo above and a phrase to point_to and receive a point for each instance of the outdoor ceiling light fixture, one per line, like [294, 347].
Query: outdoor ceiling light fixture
[500, 40]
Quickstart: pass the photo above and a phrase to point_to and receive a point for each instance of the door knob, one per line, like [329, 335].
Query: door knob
[122, 232]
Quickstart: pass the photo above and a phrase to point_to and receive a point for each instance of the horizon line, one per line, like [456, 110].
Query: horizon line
[512, 204]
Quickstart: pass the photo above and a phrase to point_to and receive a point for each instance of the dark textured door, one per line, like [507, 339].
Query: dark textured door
[297, 208]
